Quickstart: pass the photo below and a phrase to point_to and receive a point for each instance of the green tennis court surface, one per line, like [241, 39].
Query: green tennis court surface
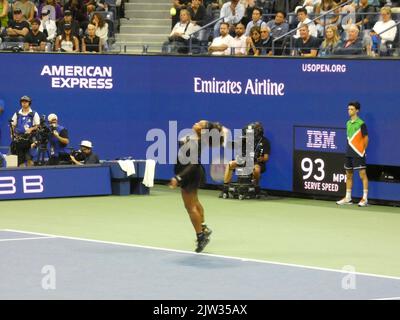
[287, 231]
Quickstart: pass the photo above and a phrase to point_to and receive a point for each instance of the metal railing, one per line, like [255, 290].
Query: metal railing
[313, 20]
[202, 28]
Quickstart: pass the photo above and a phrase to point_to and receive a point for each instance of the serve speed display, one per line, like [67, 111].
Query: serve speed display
[318, 160]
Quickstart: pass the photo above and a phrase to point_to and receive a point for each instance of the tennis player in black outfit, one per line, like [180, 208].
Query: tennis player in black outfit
[190, 174]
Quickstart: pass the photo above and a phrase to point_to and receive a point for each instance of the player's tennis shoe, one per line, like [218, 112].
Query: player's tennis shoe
[344, 201]
[201, 243]
[363, 203]
[207, 231]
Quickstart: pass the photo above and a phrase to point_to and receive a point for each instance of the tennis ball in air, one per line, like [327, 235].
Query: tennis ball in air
[172, 11]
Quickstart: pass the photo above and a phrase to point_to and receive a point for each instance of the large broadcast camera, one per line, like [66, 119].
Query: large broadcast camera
[44, 132]
[19, 141]
[78, 155]
[248, 149]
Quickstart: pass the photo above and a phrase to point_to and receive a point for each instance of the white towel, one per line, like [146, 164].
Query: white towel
[148, 179]
[127, 166]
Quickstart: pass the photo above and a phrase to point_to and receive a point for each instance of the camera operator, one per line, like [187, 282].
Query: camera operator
[23, 124]
[86, 155]
[262, 150]
[58, 141]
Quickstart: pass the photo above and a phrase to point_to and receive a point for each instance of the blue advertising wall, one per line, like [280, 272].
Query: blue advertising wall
[138, 93]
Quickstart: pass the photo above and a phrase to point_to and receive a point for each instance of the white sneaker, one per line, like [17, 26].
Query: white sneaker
[344, 201]
[363, 203]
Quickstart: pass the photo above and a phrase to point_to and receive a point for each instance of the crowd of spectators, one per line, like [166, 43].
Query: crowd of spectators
[57, 25]
[291, 27]
[255, 27]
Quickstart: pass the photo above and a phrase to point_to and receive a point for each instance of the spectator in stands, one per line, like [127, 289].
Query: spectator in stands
[101, 28]
[54, 8]
[91, 42]
[212, 8]
[347, 14]
[239, 41]
[232, 12]
[35, 40]
[278, 27]
[306, 45]
[179, 36]
[302, 16]
[222, 45]
[78, 12]
[23, 124]
[309, 5]
[27, 7]
[178, 5]
[256, 20]
[58, 141]
[254, 43]
[353, 45]
[284, 5]
[18, 28]
[68, 19]
[97, 5]
[198, 13]
[364, 15]
[48, 26]
[385, 23]
[330, 42]
[67, 42]
[3, 13]
[332, 18]
[88, 155]
[249, 6]
[266, 41]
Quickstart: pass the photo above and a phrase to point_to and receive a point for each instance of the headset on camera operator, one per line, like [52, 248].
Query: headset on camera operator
[85, 155]
[58, 141]
[23, 124]
[262, 150]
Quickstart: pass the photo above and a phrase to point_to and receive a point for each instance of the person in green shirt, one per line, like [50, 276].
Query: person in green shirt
[357, 142]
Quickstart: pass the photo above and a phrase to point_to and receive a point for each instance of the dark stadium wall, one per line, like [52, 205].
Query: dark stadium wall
[114, 100]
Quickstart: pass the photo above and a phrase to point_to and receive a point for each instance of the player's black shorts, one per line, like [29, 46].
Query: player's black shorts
[353, 163]
[193, 179]
[262, 165]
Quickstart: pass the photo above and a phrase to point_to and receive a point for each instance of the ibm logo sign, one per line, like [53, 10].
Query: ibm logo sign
[318, 139]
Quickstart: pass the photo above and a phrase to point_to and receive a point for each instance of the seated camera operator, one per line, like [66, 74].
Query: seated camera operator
[86, 155]
[58, 141]
[262, 150]
[23, 124]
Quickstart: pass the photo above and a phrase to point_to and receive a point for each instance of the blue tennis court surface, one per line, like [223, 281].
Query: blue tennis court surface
[37, 266]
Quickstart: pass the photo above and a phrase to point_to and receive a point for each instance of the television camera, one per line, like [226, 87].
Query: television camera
[248, 149]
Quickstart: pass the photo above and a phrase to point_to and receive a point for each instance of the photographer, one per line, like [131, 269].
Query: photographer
[58, 141]
[23, 125]
[261, 149]
[85, 155]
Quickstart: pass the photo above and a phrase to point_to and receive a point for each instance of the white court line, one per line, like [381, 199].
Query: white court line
[32, 238]
[392, 298]
[207, 254]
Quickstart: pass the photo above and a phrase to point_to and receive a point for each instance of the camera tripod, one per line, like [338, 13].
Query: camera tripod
[41, 156]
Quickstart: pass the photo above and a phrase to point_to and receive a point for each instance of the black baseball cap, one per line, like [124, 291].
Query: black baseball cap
[67, 26]
[67, 13]
[17, 10]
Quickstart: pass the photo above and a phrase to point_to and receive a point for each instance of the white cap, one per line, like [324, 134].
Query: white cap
[87, 144]
[52, 116]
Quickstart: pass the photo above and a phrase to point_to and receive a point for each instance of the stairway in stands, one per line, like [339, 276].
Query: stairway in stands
[148, 22]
